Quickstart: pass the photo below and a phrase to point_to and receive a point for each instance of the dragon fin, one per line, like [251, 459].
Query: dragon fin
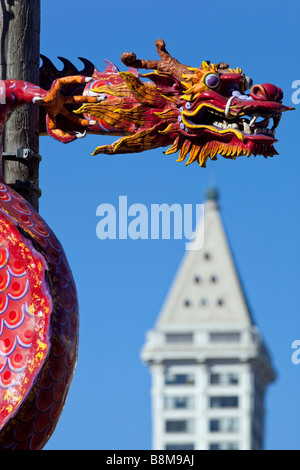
[110, 67]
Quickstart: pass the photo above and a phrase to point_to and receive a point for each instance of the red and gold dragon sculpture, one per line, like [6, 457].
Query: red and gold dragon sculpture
[201, 111]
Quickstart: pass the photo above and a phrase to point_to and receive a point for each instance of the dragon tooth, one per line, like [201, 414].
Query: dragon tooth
[227, 109]
[253, 119]
[246, 127]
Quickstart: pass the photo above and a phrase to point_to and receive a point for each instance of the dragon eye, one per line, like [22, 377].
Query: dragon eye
[248, 83]
[212, 80]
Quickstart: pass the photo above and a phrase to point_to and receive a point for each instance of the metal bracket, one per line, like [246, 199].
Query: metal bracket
[22, 156]
[27, 185]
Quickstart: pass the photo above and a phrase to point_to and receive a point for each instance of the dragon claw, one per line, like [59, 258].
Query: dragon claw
[80, 135]
[38, 100]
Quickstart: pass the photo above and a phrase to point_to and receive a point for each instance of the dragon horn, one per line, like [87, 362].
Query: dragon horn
[166, 64]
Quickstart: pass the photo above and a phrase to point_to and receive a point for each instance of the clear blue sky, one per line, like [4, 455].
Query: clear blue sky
[122, 283]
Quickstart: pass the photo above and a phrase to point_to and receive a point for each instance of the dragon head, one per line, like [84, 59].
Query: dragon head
[201, 112]
[223, 113]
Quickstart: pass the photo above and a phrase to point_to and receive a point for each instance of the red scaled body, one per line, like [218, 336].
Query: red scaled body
[38, 314]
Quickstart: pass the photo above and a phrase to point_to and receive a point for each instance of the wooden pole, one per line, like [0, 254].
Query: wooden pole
[19, 59]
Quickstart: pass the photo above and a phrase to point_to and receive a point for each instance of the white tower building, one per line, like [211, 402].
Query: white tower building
[209, 365]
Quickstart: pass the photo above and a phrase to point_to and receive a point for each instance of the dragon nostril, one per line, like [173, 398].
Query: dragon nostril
[258, 93]
[266, 91]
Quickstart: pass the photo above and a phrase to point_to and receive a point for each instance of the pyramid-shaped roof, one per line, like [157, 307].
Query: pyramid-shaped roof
[207, 289]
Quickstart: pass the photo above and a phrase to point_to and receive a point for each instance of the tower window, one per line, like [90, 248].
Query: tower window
[178, 402]
[179, 379]
[197, 279]
[213, 279]
[220, 302]
[229, 378]
[207, 256]
[179, 425]
[179, 337]
[203, 302]
[187, 303]
[224, 402]
[230, 336]
[224, 425]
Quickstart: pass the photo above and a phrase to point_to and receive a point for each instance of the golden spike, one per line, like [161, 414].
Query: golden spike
[174, 148]
[219, 150]
[228, 150]
[186, 97]
[168, 114]
[222, 149]
[203, 156]
[193, 154]
[170, 128]
[184, 150]
[186, 84]
[213, 150]
[239, 151]
[193, 69]
[244, 150]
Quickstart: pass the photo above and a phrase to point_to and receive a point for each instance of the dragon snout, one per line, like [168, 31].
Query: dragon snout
[266, 92]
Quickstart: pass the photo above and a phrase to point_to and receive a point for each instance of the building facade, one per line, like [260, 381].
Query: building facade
[209, 365]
